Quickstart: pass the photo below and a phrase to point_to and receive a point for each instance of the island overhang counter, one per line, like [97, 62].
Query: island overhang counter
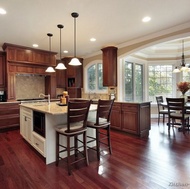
[54, 114]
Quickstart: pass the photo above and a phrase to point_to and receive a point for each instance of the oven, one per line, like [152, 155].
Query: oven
[39, 123]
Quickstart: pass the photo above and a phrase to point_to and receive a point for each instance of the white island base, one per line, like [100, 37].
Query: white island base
[54, 115]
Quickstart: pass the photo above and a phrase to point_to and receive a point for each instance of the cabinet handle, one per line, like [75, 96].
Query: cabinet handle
[25, 118]
[37, 144]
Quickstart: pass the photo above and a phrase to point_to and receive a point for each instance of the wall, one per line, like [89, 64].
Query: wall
[29, 86]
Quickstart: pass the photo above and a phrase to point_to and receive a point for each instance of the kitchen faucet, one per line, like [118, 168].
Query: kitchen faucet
[43, 95]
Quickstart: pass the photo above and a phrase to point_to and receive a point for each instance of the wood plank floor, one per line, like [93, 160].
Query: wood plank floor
[160, 161]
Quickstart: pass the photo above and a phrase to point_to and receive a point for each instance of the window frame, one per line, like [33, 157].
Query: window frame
[86, 90]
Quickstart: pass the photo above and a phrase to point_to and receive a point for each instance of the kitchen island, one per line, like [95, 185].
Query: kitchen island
[37, 126]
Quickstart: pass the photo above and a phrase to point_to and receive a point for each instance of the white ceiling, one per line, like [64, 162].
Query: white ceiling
[111, 22]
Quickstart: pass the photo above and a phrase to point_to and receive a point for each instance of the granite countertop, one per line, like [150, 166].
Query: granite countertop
[53, 108]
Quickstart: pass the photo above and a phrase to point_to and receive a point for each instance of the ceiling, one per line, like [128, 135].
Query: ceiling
[110, 22]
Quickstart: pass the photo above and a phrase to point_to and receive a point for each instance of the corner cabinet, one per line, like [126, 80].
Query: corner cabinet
[109, 58]
[132, 118]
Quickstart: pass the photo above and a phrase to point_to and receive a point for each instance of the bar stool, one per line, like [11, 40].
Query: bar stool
[76, 125]
[102, 126]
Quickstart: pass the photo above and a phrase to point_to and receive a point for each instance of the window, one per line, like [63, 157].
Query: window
[133, 83]
[95, 78]
[160, 81]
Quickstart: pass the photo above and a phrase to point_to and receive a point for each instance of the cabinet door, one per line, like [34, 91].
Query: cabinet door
[109, 66]
[130, 118]
[2, 69]
[116, 116]
[60, 78]
[11, 86]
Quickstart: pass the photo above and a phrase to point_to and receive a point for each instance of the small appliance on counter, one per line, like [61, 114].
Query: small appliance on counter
[112, 93]
[2, 96]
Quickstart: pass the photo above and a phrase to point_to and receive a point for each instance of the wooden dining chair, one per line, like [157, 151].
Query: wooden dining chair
[177, 105]
[162, 111]
[101, 124]
[76, 125]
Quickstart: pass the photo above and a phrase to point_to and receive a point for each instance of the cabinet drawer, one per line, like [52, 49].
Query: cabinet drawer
[130, 107]
[116, 106]
[39, 143]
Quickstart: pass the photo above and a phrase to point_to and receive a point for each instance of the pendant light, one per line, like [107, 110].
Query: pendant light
[60, 65]
[50, 69]
[75, 61]
[183, 67]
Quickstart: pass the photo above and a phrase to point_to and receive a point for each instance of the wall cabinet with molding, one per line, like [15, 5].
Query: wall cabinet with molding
[25, 60]
[27, 55]
[109, 58]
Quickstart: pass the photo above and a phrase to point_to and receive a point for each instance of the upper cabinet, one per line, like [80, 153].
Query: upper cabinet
[74, 74]
[2, 69]
[109, 57]
[20, 54]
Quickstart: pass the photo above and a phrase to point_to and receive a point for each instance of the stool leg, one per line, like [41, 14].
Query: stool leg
[109, 140]
[85, 148]
[98, 144]
[57, 148]
[76, 145]
[68, 155]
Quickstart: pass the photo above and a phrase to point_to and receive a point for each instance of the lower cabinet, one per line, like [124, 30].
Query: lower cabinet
[26, 124]
[9, 115]
[133, 118]
[26, 130]
[39, 143]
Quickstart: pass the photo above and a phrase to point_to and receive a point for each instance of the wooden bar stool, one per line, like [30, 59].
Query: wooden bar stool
[76, 125]
[102, 126]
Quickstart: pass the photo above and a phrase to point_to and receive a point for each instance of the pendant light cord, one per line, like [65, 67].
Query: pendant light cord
[74, 37]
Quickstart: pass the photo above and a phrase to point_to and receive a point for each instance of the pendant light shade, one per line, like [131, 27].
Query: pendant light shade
[75, 61]
[50, 69]
[183, 66]
[60, 65]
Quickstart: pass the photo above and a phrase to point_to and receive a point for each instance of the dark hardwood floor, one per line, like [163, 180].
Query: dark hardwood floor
[160, 161]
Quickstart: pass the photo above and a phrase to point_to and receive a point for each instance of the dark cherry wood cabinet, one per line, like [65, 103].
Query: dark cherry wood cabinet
[27, 55]
[133, 118]
[25, 60]
[109, 58]
[116, 116]
[9, 116]
[2, 70]
[71, 79]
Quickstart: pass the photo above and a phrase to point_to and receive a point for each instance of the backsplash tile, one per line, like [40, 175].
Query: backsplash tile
[29, 86]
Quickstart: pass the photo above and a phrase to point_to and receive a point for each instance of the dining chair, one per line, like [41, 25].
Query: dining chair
[162, 111]
[76, 125]
[177, 105]
[101, 124]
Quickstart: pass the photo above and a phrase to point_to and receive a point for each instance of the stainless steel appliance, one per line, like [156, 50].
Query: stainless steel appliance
[39, 123]
[2, 96]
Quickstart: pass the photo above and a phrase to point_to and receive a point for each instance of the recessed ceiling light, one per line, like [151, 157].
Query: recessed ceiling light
[2, 11]
[146, 19]
[92, 39]
[35, 45]
[65, 51]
